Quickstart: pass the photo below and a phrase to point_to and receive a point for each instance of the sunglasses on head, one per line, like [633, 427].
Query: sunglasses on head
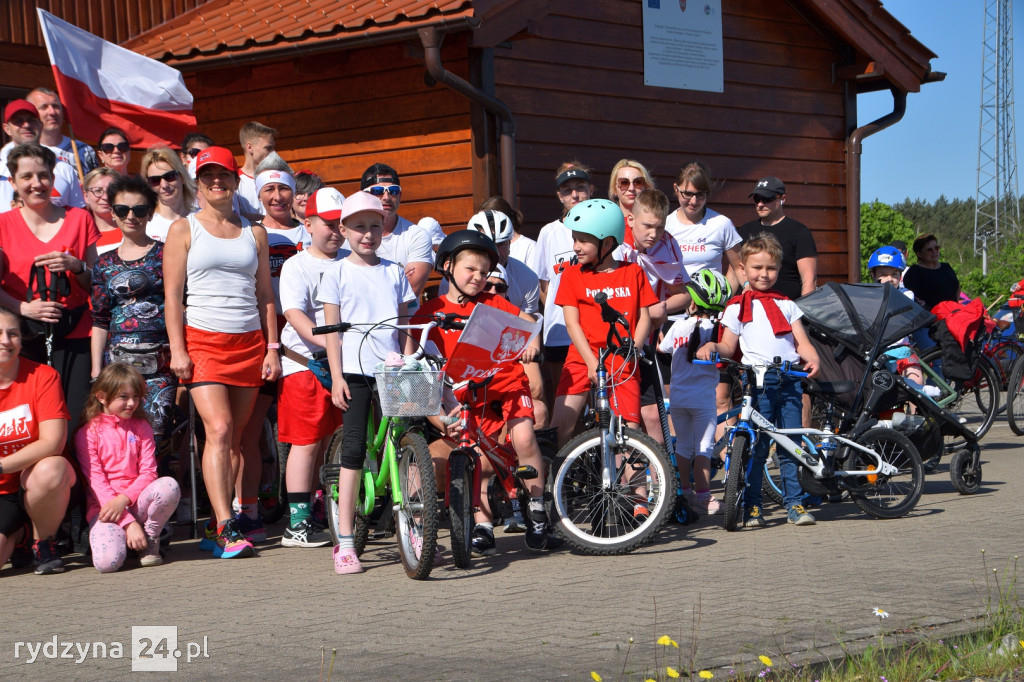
[169, 176]
[108, 147]
[121, 211]
[378, 190]
[496, 287]
[639, 183]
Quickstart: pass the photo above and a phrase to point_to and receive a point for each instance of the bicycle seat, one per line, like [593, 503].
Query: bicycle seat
[480, 384]
[829, 387]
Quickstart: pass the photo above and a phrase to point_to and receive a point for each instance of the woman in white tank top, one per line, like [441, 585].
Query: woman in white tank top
[224, 342]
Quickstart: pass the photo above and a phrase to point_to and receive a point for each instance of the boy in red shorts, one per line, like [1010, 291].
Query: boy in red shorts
[465, 258]
[598, 228]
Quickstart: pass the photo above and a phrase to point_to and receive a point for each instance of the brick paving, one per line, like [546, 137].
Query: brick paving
[519, 616]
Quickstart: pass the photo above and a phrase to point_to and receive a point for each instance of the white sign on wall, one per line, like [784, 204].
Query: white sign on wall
[683, 44]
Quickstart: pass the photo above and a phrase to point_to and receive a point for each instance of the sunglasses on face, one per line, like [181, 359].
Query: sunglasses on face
[378, 190]
[765, 200]
[699, 196]
[638, 183]
[194, 152]
[496, 287]
[121, 211]
[169, 176]
[567, 190]
[108, 147]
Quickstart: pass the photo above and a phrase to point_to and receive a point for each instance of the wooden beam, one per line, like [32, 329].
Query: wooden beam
[502, 19]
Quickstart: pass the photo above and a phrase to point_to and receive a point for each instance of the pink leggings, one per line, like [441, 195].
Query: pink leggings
[155, 505]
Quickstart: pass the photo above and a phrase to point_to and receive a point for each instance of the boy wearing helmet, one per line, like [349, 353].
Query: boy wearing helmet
[465, 259]
[885, 266]
[692, 394]
[598, 227]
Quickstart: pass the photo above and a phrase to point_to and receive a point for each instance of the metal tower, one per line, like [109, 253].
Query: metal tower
[997, 212]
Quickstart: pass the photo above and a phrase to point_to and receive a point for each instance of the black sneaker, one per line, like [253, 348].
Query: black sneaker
[483, 542]
[555, 541]
[536, 536]
[305, 534]
[46, 558]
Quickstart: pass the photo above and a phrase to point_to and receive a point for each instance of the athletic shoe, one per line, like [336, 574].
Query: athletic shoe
[151, 557]
[208, 542]
[516, 523]
[536, 536]
[252, 530]
[555, 540]
[46, 558]
[707, 504]
[640, 510]
[483, 542]
[798, 517]
[305, 534]
[346, 561]
[231, 544]
[753, 518]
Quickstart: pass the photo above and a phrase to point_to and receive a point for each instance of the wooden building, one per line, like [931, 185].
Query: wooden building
[471, 98]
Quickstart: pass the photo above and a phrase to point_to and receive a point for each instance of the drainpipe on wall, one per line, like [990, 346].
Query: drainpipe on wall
[507, 151]
[853, 152]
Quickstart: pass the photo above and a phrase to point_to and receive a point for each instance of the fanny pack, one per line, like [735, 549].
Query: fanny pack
[318, 364]
[148, 358]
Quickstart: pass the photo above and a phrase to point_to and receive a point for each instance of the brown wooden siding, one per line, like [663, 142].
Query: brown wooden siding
[575, 85]
[113, 20]
[339, 112]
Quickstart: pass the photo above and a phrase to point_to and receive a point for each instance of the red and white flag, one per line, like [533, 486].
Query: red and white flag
[492, 339]
[103, 85]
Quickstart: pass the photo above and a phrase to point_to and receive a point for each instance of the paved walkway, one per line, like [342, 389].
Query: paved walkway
[517, 616]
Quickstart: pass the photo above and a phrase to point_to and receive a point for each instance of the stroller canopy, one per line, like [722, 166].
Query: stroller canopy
[855, 314]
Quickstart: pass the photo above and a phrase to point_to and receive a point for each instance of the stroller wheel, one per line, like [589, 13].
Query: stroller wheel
[965, 472]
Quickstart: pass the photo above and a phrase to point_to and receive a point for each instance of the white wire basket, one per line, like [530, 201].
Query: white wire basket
[410, 393]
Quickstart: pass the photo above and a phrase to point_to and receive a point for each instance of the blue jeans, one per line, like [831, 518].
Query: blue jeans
[779, 401]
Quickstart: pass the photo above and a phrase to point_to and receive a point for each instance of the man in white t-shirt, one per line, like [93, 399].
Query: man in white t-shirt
[257, 142]
[51, 112]
[404, 242]
[23, 125]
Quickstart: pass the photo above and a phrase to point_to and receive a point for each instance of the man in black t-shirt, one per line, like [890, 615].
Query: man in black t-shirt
[799, 272]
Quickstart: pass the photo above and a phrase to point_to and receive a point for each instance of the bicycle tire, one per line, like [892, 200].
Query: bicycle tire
[882, 496]
[603, 522]
[1015, 398]
[980, 412]
[964, 473]
[416, 517]
[771, 484]
[460, 507]
[735, 481]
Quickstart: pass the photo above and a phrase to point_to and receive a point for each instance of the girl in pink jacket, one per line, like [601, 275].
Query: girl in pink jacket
[127, 504]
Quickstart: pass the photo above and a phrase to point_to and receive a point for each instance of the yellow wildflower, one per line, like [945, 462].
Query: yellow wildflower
[671, 672]
[665, 640]
[764, 659]
[705, 674]
[594, 676]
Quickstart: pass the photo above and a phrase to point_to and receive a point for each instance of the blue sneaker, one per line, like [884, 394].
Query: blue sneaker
[208, 542]
[753, 518]
[798, 517]
[252, 530]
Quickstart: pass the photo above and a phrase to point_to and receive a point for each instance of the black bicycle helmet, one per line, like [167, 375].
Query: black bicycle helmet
[460, 241]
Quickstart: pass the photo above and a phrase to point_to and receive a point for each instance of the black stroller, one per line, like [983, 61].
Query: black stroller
[851, 325]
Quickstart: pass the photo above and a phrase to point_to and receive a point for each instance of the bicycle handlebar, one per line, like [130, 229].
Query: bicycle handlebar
[614, 318]
[340, 328]
[784, 366]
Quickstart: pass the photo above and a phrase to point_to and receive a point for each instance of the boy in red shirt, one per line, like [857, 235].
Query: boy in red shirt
[598, 228]
[465, 258]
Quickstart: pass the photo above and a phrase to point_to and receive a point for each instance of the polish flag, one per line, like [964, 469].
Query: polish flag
[103, 85]
[491, 340]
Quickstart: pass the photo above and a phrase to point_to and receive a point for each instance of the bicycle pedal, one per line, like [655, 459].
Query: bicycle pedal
[526, 472]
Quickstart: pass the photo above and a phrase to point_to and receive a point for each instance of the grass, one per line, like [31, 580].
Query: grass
[995, 649]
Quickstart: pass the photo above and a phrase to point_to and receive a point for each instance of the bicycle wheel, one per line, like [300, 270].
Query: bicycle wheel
[976, 400]
[886, 496]
[1003, 356]
[1015, 398]
[735, 481]
[417, 515]
[329, 480]
[964, 472]
[273, 497]
[771, 484]
[460, 509]
[596, 520]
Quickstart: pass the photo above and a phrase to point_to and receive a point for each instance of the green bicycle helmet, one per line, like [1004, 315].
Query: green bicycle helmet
[709, 289]
[597, 217]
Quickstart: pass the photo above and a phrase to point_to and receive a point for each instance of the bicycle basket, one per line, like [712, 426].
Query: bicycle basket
[410, 393]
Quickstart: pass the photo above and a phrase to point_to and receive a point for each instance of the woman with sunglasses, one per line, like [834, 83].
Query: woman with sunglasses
[224, 343]
[114, 151]
[175, 191]
[628, 179]
[95, 185]
[128, 299]
[49, 251]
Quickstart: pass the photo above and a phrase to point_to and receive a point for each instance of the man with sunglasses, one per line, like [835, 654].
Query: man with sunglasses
[22, 124]
[799, 272]
[51, 112]
[404, 241]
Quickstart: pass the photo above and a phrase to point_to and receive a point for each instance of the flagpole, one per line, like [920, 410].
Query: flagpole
[74, 150]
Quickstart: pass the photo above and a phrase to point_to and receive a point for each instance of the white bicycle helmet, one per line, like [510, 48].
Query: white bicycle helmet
[494, 224]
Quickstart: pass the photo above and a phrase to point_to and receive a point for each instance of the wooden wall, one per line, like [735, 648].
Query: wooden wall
[575, 84]
[339, 112]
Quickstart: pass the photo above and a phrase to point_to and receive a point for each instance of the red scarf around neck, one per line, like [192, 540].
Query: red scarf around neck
[769, 301]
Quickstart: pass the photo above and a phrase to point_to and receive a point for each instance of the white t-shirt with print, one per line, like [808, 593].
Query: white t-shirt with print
[300, 281]
[554, 254]
[366, 294]
[703, 244]
[692, 385]
[757, 341]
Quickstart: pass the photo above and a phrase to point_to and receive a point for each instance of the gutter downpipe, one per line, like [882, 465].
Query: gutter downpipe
[507, 151]
[853, 147]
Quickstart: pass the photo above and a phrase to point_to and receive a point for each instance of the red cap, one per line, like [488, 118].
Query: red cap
[17, 106]
[216, 156]
[326, 202]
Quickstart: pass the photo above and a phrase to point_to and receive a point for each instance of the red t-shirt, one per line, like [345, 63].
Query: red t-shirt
[35, 396]
[21, 247]
[628, 291]
[511, 379]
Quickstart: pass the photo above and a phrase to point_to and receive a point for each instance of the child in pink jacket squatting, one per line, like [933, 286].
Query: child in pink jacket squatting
[127, 504]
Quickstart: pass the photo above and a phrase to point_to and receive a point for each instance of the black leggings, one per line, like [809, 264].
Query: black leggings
[72, 360]
[353, 429]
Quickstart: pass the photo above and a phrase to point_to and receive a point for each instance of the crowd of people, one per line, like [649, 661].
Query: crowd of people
[124, 296]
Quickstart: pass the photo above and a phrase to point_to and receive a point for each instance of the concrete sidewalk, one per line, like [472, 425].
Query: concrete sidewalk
[521, 616]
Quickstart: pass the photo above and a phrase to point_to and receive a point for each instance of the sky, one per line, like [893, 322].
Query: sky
[933, 151]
